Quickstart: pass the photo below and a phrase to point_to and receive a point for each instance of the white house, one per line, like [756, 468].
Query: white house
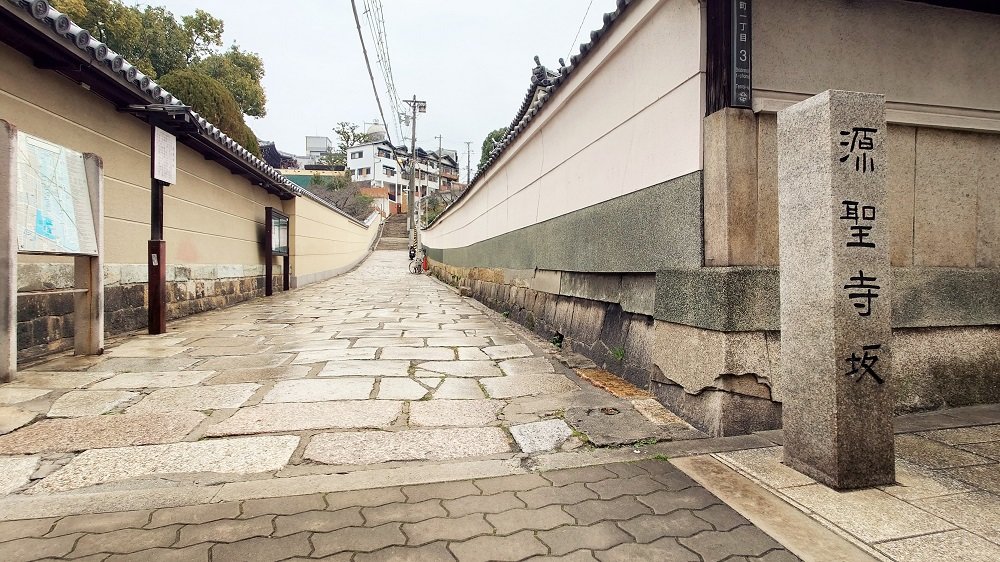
[384, 165]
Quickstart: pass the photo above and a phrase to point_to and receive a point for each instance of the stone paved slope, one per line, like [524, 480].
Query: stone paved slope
[394, 234]
[368, 370]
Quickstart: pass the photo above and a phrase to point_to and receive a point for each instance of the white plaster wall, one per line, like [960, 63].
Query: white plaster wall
[628, 118]
[936, 66]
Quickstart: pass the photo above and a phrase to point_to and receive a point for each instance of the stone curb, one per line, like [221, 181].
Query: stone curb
[795, 530]
[78, 503]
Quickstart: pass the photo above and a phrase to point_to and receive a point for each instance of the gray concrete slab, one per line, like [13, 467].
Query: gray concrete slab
[416, 444]
[245, 455]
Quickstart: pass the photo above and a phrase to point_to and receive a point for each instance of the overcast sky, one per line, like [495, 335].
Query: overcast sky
[470, 60]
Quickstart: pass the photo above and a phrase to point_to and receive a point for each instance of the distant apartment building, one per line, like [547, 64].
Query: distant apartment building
[383, 165]
[316, 147]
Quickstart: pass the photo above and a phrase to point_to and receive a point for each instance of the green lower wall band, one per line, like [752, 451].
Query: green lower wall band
[643, 231]
[743, 299]
[659, 229]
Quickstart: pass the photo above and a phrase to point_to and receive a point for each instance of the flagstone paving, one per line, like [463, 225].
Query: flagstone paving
[372, 378]
[332, 367]
[945, 504]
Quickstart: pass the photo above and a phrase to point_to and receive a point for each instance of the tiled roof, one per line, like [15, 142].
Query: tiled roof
[80, 39]
[544, 83]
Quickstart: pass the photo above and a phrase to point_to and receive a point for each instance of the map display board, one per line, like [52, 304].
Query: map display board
[54, 213]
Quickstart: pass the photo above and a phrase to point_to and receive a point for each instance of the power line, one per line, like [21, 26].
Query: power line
[577, 36]
[376, 26]
[364, 50]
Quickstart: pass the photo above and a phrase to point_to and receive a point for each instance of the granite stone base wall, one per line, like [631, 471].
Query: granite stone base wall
[604, 331]
[728, 383]
[724, 380]
[608, 319]
[45, 322]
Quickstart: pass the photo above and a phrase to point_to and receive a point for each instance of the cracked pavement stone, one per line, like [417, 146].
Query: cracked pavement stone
[599, 536]
[440, 528]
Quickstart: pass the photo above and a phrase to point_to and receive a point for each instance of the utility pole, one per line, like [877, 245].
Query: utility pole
[440, 180]
[468, 160]
[415, 107]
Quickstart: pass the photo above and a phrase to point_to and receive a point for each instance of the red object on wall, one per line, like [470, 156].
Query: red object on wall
[425, 264]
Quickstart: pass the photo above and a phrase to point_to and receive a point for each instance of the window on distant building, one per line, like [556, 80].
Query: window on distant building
[388, 170]
[432, 177]
[356, 155]
[383, 153]
[364, 171]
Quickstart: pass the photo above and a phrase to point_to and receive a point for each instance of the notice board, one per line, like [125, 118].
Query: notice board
[53, 213]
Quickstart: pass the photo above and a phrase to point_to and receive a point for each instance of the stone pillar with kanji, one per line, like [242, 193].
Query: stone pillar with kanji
[835, 275]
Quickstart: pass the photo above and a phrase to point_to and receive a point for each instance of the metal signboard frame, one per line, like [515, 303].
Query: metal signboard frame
[276, 243]
[742, 42]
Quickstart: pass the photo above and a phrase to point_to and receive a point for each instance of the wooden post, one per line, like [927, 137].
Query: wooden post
[157, 286]
[88, 313]
[156, 254]
[268, 252]
[8, 252]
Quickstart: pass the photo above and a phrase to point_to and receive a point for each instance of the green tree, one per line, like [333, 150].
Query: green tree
[182, 55]
[332, 159]
[348, 135]
[117, 25]
[164, 42]
[241, 73]
[343, 193]
[157, 43]
[204, 34]
[214, 102]
[489, 142]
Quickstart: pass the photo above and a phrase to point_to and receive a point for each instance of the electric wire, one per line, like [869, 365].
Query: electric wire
[376, 26]
[577, 36]
[371, 75]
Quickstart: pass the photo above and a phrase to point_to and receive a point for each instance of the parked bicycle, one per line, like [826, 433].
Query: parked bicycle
[416, 260]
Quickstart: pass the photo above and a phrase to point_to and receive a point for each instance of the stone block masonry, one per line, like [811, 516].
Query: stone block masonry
[45, 322]
[603, 317]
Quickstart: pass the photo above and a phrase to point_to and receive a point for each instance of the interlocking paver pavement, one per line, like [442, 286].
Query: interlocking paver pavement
[944, 505]
[416, 523]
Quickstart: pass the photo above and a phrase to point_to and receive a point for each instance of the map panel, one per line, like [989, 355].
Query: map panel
[53, 214]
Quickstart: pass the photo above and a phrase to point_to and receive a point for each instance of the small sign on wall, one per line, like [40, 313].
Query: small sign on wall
[164, 156]
[741, 95]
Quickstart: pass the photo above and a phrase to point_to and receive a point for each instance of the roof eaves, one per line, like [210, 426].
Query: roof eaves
[544, 83]
[112, 66]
